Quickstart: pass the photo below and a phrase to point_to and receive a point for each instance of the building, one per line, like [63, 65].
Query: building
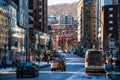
[109, 16]
[87, 24]
[38, 13]
[52, 20]
[119, 27]
[38, 36]
[64, 37]
[66, 19]
[3, 33]
[20, 36]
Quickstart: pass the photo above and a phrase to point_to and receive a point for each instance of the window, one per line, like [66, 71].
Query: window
[110, 15]
[110, 28]
[110, 34]
[110, 22]
[111, 9]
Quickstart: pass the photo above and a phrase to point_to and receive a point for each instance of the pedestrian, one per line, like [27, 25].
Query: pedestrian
[111, 60]
[13, 64]
[48, 58]
[16, 63]
[4, 64]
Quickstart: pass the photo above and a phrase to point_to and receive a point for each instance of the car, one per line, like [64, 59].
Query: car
[63, 56]
[94, 61]
[27, 68]
[58, 64]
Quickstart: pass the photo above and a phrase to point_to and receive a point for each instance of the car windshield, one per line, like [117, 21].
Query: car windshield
[94, 58]
[26, 64]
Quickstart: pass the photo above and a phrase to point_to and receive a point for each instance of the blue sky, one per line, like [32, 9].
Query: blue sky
[52, 2]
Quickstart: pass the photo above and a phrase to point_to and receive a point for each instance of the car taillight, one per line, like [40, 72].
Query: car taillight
[103, 59]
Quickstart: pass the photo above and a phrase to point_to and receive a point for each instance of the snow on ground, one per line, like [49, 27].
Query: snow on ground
[84, 76]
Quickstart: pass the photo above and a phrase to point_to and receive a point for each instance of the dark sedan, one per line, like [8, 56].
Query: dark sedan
[27, 68]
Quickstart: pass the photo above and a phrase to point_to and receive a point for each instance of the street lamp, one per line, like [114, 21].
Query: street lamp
[5, 47]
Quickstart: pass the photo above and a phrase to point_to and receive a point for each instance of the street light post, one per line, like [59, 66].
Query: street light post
[5, 47]
[27, 44]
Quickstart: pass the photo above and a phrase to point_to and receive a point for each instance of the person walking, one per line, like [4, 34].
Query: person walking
[4, 63]
[111, 60]
[13, 64]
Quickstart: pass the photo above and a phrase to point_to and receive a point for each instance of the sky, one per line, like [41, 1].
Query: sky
[52, 2]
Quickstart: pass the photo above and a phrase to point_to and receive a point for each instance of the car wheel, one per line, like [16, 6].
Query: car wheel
[34, 75]
[21, 75]
[64, 69]
[37, 73]
[51, 69]
[17, 75]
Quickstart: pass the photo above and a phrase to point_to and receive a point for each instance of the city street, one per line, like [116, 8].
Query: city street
[60, 40]
[74, 71]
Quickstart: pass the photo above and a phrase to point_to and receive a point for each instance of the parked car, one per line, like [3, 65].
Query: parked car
[58, 64]
[27, 68]
[63, 56]
[94, 61]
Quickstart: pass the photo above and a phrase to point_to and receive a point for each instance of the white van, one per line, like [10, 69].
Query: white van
[94, 60]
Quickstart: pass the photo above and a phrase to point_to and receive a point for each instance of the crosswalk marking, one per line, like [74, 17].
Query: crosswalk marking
[65, 72]
[75, 58]
[75, 63]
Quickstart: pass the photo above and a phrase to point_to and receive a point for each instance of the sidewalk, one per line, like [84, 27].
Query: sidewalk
[42, 64]
[10, 69]
[112, 75]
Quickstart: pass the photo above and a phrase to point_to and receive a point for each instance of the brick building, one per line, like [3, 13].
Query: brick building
[109, 16]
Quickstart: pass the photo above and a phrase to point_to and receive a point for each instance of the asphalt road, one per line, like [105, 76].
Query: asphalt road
[74, 71]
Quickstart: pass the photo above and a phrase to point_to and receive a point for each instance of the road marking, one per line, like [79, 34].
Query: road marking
[117, 73]
[65, 72]
[75, 63]
[7, 72]
[75, 58]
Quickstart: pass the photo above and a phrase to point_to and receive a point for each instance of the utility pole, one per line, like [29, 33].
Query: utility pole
[27, 44]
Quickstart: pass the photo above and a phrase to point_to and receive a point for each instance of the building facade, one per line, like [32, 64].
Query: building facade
[64, 37]
[66, 19]
[38, 12]
[87, 24]
[17, 21]
[109, 15]
[3, 33]
[38, 26]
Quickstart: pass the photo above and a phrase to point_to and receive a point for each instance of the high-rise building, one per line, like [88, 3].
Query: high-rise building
[110, 28]
[66, 19]
[38, 14]
[87, 27]
[38, 26]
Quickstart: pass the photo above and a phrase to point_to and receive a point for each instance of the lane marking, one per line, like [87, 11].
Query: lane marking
[65, 72]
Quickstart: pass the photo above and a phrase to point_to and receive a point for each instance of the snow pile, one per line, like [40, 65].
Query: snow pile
[84, 76]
